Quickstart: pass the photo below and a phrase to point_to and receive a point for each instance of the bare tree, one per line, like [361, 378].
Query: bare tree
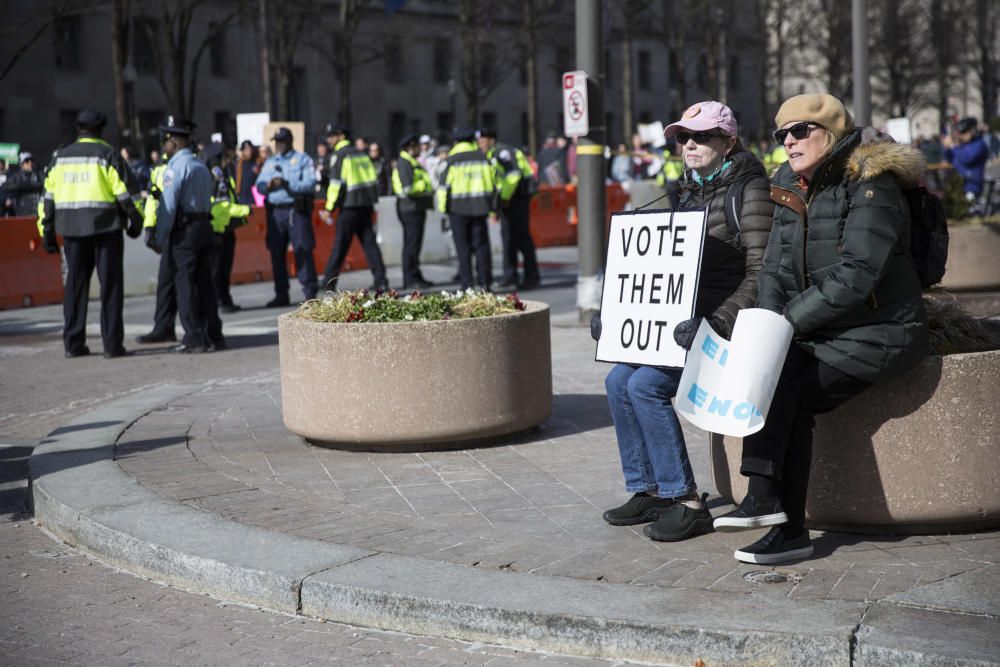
[477, 20]
[19, 35]
[946, 43]
[345, 49]
[535, 14]
[986, 30]
[634, 16]
[836, 47]
[900, 59]
[177, 76]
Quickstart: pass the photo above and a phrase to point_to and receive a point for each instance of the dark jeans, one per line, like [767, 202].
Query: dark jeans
[413, 240]
[222, 266]
[782, 450]
[355, 221]
[191, 254]
[516, 234]
[472, 236]
[284, 225]
[106, 253]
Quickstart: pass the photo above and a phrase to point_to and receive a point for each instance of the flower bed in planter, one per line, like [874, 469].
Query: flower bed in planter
[916, 454]
[413, 383]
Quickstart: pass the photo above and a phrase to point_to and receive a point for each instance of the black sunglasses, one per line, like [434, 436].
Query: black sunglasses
[799, 131]
[699, 137]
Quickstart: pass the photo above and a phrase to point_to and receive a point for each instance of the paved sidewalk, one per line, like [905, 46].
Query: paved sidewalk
[531, 506]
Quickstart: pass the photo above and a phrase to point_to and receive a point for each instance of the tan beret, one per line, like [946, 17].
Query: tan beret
[819, 108]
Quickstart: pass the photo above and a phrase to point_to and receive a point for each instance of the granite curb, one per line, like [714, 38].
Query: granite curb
[83, 497]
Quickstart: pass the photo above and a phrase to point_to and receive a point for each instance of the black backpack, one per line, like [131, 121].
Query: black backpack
[928, 233]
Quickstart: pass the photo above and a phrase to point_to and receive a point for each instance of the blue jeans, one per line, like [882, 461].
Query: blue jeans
[650, 440]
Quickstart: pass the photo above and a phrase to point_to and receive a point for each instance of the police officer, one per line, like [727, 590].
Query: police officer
[517, 184]
[288, 178]
[165, 313]
[466, 192]
[414, 196]
[87, 201]
[354, 190]
[184, 223]
[227, 215]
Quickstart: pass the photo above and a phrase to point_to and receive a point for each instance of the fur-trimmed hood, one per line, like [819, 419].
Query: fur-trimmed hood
[878, 153]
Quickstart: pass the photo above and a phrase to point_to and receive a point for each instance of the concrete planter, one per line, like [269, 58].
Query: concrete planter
[972, 257]
[410, 384]
[916, 454]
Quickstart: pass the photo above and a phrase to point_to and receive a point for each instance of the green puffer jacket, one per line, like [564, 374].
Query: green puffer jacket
[838, 262]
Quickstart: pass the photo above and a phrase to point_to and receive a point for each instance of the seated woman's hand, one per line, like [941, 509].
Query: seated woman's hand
[685, 332]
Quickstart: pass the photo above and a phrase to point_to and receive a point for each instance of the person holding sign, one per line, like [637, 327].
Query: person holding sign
[838, 267]
[653, 453]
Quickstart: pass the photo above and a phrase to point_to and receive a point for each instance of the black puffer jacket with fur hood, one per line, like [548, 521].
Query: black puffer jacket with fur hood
[838, 263]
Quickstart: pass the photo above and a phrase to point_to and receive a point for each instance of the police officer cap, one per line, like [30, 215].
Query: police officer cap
[283, 134]
[213, 153]
[178, 125]
[967, 124]
[488, 132]
[411, 138]
[337, 128]
[464, 134]
[91, 119]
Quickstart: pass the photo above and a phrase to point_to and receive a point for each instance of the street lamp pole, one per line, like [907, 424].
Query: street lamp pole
[590, 161]
[862, 83]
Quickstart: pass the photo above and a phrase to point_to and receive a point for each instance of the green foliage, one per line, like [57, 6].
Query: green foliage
[362, 306]
[955, 205]
[952, 330]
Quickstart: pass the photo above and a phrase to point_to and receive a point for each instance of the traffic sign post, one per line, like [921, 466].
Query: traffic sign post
[576, 112]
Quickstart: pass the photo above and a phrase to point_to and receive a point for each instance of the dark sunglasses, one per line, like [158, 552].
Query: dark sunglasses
[699, 137]
[799, 131]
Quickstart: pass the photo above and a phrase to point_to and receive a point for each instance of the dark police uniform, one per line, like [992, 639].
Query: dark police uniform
[414, 197]
[184, 222]
[466, 193]
[516, 183]
[354, 190]
[86, 200]
[165, 313]
[289, 217]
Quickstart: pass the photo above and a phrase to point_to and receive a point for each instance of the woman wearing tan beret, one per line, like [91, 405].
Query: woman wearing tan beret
[838, 267]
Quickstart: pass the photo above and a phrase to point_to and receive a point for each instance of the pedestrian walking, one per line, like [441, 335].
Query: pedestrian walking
[414, 197]
[654, 456]
[353, 191]
[466, 193]
[87, 201]
[288, 180]
[850, 290]
[184, 225]
[516, 183]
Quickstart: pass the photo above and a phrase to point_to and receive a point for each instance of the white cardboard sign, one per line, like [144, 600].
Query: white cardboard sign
[650, 283]
[250, 126]
[727, 386]
[576, 113]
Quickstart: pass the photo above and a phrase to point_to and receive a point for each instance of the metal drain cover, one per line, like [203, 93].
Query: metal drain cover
[771, 576]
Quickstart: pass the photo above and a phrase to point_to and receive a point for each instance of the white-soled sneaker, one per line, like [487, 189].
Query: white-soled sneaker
[778, 546]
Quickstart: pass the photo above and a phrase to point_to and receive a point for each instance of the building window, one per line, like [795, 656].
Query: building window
[734, 73]
[490, 119]
[522, 74]
[66, 33]
[217, 50]
[67, 125]
[645, 117]
[609, 119]
[524, 128]
[299, 95]
[225, 124]
[149, 121]
[397, 128]
[444, 121]
[146, 32]
[442, 60]
[676, 75]
[487, 55]
[562, 63]
[393, 61]
[607, 67]
[645, 76]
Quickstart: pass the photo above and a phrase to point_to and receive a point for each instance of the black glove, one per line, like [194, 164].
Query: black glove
[154, 192]
[151, 240]
[49, 242]
[134, 229]
[595, 326]
[684, 332]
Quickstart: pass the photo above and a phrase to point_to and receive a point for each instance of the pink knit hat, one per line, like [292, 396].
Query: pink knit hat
[705, 116]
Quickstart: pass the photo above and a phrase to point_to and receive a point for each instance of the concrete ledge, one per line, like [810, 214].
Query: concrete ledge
[876, 457]
[910, 636]
[447, 381]
[617, 621]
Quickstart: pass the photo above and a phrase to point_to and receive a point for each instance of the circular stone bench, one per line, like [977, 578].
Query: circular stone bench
[407, 385]
[917, 454]
[973, 250]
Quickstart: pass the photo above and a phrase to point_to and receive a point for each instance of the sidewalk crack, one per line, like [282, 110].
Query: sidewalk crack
[302, 581]
[854, 633]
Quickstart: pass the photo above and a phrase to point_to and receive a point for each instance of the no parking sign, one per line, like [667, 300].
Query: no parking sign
[576, 115]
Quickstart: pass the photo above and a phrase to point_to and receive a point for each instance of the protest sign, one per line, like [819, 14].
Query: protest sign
[650, 283]
[250, 127]
[727, 386]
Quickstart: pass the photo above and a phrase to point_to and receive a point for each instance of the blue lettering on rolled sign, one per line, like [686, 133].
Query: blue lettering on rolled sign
[697, 395]
[746, 411]
[709, 347]
[720, 408]
[724, 357]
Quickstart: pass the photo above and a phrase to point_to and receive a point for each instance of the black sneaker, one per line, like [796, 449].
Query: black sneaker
[752, 514]
[641, 508]
[81, 351]
[781, 544]
[157, 337]
[278, 301]
[679, 522]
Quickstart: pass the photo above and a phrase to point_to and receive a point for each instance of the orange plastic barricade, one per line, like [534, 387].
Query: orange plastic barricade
[29, 276]
[554, 213]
